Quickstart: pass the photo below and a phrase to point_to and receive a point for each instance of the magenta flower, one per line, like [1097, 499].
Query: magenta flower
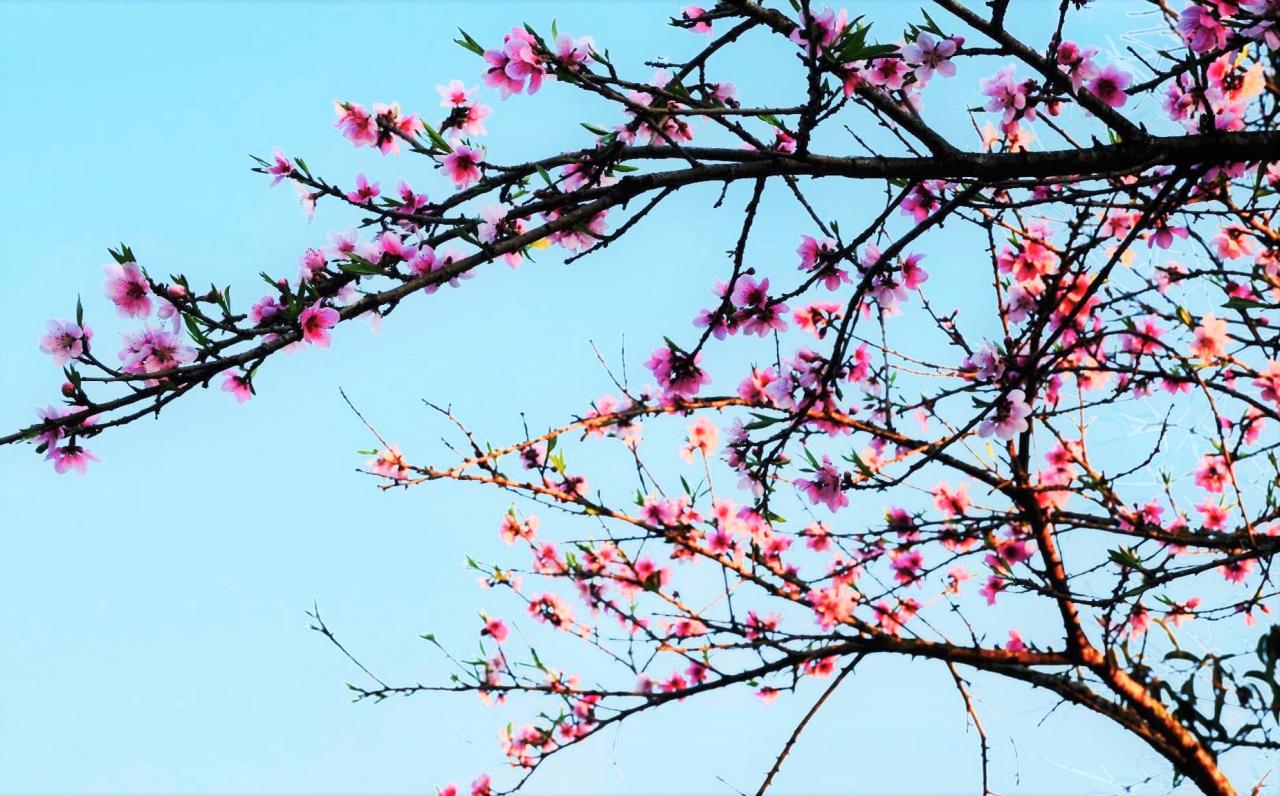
[1201, 29]
[694, 15]
[462, 165]
[281, 168]
[65, 341]
[825, 487]
[515, 63]
[356, 124]
[819, 256]
[1109, 86]
[128, 290]
[237, 384]
[677, 372]
[316, 321]
[365, 192]
[887, 73]
[1077, 63]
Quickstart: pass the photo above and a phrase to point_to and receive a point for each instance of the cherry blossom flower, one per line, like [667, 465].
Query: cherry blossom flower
[828, 26]
[929, 55]
[825, 487]
[703, 438]
[356, 124]
[462, 165]
[1210, 341]
[1009, 417]
[1109, 85]
[1077, 63]
[1214, 473]
[128, 290]
[694, 14]
[888, 73]
[315, 322]
[65, 341]
[1201, 29]
[365, 192]
[281, 168]
[677, 372]
[951, 503]
[1007, 96]
[70, 457]
[237, 384]
[495, 628]
[574, 53]
[514, 64]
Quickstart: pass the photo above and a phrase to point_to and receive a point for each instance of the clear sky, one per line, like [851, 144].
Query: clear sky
[152, 634]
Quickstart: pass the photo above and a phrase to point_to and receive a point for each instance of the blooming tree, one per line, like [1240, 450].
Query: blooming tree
[884, 475]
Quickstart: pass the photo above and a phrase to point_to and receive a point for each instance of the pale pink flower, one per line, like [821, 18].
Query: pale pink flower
[703, 438]
[1008, 419]
[128, 290]
[1210, 342]
[65, 341]
[930, 55]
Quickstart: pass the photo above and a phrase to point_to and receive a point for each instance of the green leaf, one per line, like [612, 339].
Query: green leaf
[468, 43]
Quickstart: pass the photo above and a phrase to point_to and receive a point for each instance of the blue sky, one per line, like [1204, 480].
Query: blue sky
[152, 634]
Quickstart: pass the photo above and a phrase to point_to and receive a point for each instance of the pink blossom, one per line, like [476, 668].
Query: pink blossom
[365, 192]
[515, 63]
[462, 165]
[1268, 382]
[1214, 472]
[237, 384]
[1077, 63]
[392, 126]
[818, 256]
[828, 26]
[574, 53]
[153, 350]
[1201, 29]
[455, 94]
[70, 457]
[825, 487]
[315, 322]
[951, 503]
[929, 56]
[694, 14]
[888, 73]
[677, 372]
[356, 124]
[65, 341]
[495, 628]
[1109, 86]
[1009, 417]
[128, 290]
[703, 438]
[1006, 96]
[1015, 643]
[1210, 341]
[281, 168]
[389, 463]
